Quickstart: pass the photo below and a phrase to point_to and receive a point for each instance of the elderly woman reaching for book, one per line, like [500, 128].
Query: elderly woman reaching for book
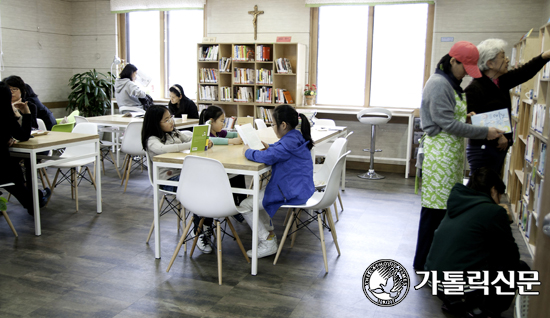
[490, 92]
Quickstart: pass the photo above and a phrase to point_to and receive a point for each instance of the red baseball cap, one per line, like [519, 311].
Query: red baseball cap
[467, 54]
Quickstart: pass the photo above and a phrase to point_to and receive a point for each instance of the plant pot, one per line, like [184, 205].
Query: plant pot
[310, 100]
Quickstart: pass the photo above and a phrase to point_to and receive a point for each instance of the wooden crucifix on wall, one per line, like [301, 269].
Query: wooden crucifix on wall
[255, 20]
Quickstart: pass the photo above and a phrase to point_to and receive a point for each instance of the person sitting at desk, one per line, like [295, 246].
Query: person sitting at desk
[10, 133]
[475, 235]
[291, 174]
[18, 94]
[128, 93]
[42, 111]
[180, 104]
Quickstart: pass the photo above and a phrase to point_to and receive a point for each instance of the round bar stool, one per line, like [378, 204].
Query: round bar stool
[373, 117]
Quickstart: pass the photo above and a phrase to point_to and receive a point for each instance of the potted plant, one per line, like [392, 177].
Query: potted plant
[91, 93]
[309, 92]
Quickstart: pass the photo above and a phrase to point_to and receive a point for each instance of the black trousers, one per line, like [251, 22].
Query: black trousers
[12, 173]
[429, 222]
[490, 157]
[235, 182]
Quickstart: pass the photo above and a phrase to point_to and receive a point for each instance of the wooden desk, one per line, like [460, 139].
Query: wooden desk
[55, 140]
[234, 162]
[119, 121]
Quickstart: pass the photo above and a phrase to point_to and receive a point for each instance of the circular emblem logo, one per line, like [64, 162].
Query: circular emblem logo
[386, 283]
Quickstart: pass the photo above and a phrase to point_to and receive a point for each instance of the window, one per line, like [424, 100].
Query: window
[169, 55]
[392, 76]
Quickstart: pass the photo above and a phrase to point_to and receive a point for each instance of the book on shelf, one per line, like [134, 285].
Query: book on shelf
[288, 98]
[519, 207]
[225, 94]
[529, 148]
[202, 107]
[533, 178]
[525, 211]
[229, 123]
[208, 93]
[506, 168]
[263, 53]
[537, 119]
[542, 159]
[243, 53]
[249, 136]
[265, 114]
[208, 53]
[243, 75]
[243, 94]
[527, 222]
[515, 105]
[546, 71]
[264, 76]
[225, 64]
[527, 186]
[201, 135]
[208, 75]
[264, 94]
[283, 66]
[498, 119]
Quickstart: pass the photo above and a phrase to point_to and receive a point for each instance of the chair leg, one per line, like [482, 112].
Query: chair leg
[196, 237]
[72, 183]
[323, 247]
[287, 228]
[124, 168]
[76, 187]
[336, 211]
[153, 223]
[116, 166]
[219, 245]
[128, 172]
[295, 229]
[43, 171]
[55, 180]
[42, 178]
[91, 177]
[333, 230]
[180, 243]
[183, 217]
[9, 223]
[287, 216]
[9, 196]
[340, 199]
[238, 239]
[102, 164]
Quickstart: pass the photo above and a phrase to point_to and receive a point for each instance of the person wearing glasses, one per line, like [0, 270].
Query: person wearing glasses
[491, 92]
[18, 94]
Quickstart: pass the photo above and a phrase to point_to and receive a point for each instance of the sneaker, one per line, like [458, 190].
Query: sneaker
[239, 218]
[266, 247]
[43, 196]
[203, 244]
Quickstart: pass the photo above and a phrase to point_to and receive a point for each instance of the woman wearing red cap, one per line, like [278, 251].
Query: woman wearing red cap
[443, 114]
[491, 92]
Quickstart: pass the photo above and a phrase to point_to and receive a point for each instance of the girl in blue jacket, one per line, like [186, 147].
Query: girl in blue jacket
[291, 174]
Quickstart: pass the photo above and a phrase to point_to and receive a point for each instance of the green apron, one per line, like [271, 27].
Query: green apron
[443, 164]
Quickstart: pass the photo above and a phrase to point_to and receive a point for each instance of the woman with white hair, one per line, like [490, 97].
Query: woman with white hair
[490, 92]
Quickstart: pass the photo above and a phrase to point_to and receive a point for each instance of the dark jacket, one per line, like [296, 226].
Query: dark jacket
[9, 127]
[474, 235]
[186, 106]
[42, 111]
[292, 171]
[484, 96]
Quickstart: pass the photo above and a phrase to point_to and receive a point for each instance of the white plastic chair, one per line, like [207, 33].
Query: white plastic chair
[318, 201]
[204, 176]
[131, 146]
[322, 149]
[41, 124]
[5, 213]
[75, 166]
[260, 124]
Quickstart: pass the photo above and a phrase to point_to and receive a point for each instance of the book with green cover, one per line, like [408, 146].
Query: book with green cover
[200, 138]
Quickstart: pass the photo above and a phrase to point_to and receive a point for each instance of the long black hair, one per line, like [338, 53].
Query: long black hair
[178, 91]
[16, 81]
[127, 72]
[212, 112]
[151, 125]
[289, 115]
[445, 64]
[6, 111]
[484, 179]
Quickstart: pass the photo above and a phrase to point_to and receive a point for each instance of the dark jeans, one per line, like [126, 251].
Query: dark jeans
[235, 182]
[490, 157]
[429, 222]
[12, 173]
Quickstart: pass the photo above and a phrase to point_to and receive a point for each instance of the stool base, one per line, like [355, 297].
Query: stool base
[371, 175]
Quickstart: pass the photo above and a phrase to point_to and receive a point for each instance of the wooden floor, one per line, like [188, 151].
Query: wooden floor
[90, 265]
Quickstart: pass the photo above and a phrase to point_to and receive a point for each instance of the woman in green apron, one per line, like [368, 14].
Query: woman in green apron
[443, 115]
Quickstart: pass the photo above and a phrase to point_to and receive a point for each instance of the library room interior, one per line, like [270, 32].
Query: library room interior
[291, 158]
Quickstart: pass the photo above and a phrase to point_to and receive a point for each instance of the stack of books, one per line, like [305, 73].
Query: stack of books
[283, 66]
[208, 53]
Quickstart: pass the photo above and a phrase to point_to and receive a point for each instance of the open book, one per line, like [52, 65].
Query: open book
[498, 119]
[201, 135]
[249, 136]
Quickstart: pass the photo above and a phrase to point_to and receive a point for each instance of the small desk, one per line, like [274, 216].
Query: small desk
[234, 162]
[55, 140]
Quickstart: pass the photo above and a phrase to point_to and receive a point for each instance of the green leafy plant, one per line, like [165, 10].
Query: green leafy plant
[3, 205]
[91, 93]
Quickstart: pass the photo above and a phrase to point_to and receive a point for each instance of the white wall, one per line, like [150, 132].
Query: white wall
[47, 41]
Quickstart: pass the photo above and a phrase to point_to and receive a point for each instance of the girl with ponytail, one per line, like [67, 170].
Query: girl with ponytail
[219, 136]
[291, 174]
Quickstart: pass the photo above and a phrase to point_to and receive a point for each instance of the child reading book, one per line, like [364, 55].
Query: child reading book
[218, 135]
[291, 174]
[159, 136]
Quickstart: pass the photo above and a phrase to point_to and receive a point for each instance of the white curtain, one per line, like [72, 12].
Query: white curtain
[121, 6]
[318, 3]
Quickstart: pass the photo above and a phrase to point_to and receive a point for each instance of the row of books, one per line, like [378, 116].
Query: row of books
[263, 53]
[524, 217]
[542, 159]
[225, 94]
[208, 53]
[529, 148]
[208, 75]
[243, 53]
[537, 119]
[208, 93]
[225, 64]
[266, 114]
[282, 96]
[229, 123]
[264, 95]
[516, 100]
[243, 75]
[244, 94]
[283, 66]
[264, 76]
